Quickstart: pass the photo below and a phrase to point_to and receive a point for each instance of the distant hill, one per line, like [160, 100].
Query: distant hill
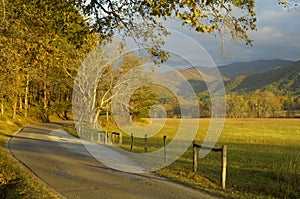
[283, 81]
[253, 67]
[194, 76]
[278, 76]
[231, 70]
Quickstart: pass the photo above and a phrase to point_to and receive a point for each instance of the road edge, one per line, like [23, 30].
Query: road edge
[27, 169]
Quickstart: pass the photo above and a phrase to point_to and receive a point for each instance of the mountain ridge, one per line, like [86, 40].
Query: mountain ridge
[281, 81]
[252, 67]
[282, 77]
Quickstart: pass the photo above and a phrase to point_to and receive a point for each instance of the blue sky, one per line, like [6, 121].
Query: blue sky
[277, 37]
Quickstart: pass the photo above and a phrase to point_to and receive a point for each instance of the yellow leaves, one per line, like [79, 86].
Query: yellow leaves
[188, 21]
[202, 28]
[288, 4]
[197, 12]
[209, 29]
[179, 15]
[284, 3]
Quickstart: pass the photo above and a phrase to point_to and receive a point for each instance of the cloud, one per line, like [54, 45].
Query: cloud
[277, 36]
[267, 34]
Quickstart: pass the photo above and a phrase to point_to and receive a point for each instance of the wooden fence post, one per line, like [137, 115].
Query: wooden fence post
[109, 139]
[79, 131]
[224, 164]
[145, 144]
[165, 150]
[105, 137]
[92, 136]
[112, 137]
[132, 139]
[99, 136]
[195, 162]
[120, 138]
[115, 136]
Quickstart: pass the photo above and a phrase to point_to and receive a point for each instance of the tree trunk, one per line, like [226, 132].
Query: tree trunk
[107, 115]
[45, 95]
[95, 122]
[26, 96]
[2, 108]
[20, 104]
[14, 115]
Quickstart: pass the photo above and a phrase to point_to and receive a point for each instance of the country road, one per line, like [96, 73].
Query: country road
[63, 163]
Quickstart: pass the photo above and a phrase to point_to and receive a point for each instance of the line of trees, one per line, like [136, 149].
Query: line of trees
[41, 46]
[261, 104]
[257, 104]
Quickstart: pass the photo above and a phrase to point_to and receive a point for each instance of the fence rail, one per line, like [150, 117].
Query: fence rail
[223, 151]
[116, 136]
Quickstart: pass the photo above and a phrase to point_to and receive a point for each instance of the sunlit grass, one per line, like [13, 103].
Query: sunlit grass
[263, 158]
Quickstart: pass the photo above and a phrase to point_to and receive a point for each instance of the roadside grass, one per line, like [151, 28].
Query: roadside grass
[263, 158]
[15, 180]
[71, 130]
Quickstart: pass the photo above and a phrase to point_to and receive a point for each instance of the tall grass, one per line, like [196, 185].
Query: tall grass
[287, 176]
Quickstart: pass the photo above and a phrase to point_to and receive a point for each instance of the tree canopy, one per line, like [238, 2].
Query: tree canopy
[142, 19]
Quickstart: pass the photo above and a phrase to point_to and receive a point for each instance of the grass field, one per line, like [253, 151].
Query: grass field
[16, 181]
[263, 158]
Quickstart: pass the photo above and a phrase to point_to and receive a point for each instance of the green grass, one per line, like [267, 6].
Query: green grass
[16, 181]
[263, 158]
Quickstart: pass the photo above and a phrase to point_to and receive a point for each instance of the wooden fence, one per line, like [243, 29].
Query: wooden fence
[223, 151]
[146, 145]
[116, 137]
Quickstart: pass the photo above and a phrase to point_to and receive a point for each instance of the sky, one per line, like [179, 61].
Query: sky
[277, 37]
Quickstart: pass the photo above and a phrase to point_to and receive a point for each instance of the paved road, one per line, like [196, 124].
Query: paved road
[63, 163]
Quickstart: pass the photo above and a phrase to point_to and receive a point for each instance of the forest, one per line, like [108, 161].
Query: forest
[42, 45]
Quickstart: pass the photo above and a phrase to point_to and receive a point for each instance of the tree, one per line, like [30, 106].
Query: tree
[141, 101]
[263, 104]
[109, 81]
[289, 105]
[237, 106]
